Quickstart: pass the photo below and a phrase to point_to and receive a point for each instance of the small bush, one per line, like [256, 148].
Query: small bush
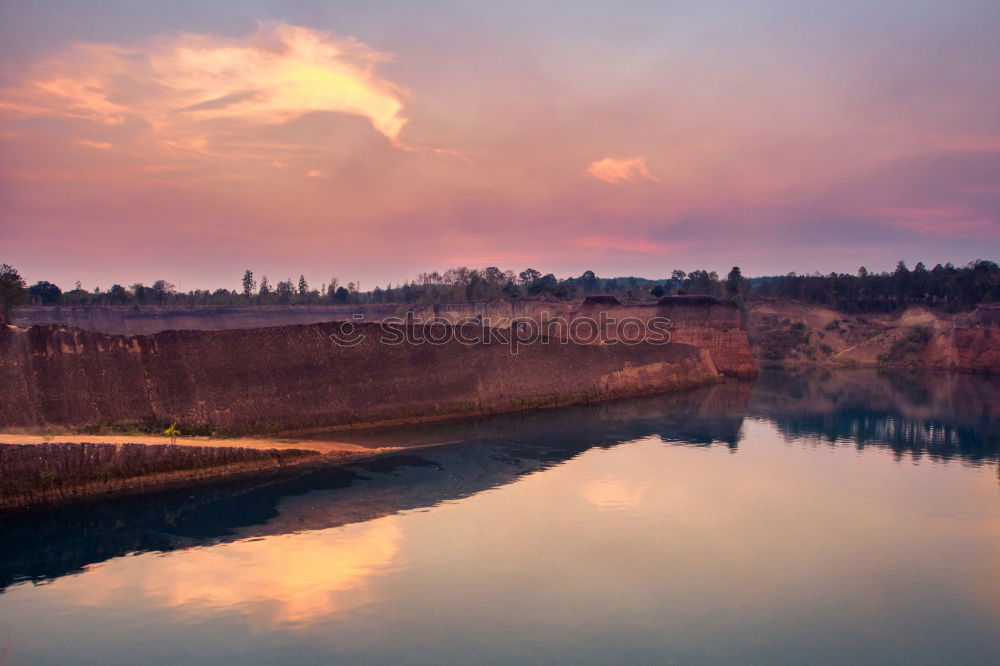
[905, 350]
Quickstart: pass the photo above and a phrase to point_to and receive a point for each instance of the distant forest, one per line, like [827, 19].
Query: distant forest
[944, 286]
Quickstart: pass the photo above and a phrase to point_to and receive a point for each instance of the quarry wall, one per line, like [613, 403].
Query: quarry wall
[704, 322]
[295, 377]
[798, 333]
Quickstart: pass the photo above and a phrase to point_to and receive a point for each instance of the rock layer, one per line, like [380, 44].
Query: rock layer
[704, 322]
[296, 377]
[793, 333]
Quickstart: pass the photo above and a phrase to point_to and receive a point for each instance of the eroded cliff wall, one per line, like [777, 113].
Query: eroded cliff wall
[292, 377]
[704, 322]
[794, 333]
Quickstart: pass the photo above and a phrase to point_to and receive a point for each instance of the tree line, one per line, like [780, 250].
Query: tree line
[945, 286]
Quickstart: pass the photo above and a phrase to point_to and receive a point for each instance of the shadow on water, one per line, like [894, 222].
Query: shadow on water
[945, 416]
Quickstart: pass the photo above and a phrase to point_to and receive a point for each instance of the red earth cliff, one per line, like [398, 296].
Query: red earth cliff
[296, 377]
[702, 321]
[795, 333]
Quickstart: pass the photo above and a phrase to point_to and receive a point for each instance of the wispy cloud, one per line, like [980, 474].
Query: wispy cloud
[99, 145]
[945, 221]
[190, 90]
[618, 171]
[629, 244]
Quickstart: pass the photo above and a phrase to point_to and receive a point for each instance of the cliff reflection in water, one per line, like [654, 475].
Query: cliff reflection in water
[942, 415]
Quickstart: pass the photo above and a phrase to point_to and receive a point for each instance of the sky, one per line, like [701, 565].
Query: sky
[372, 141]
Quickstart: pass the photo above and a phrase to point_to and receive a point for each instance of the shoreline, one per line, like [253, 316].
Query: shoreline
[257, 443]
[314, 452]
[41, 487]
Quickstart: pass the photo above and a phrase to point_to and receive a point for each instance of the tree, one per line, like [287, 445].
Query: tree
[303, 286]
[117, 295]
[12, 291]
[901, 278]
[248, 283]
[528, 276]
[564, 290]
[45, 293]
[656, 291]
[161, 290]
[341, 295]
[734, 283]
[139, 292]
[265, 288]
[702, 282]
[284, 290]
[589, 282]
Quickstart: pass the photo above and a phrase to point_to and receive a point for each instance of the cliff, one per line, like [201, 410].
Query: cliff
[795, 333]
[704, 322]
[296, 377]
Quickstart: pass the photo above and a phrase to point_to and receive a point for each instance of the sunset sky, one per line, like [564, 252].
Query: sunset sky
[188, 140]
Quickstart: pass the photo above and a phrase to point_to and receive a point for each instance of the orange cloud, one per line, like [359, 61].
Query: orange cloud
[191, 89]
[616, 171]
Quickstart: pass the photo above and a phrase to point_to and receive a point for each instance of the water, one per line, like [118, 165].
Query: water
[810, 517]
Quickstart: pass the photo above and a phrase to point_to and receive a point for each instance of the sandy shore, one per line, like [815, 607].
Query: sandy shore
[251, 443]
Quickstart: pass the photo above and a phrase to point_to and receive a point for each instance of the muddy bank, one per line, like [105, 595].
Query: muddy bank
[296, 377]
[791, 333]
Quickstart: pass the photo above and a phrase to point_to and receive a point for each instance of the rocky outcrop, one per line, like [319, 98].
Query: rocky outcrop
[702, 321]
[297, 377]
[794, 333]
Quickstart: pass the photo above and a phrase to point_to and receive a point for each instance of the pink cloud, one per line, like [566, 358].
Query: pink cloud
[194, 93]
[618, 171]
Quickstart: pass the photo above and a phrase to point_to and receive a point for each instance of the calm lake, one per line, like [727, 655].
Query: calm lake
[822, 517]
